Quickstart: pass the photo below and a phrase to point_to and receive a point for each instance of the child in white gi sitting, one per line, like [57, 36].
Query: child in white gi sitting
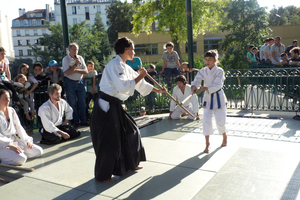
[214, 101]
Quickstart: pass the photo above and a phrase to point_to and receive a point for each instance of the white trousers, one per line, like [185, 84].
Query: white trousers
[179, 111]
[9, 157]
[220, 118]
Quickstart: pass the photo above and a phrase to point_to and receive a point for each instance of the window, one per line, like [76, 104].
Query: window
[87, 13]
[99, 9]
[25, 22]
[26, 32]
[44, 32]
[28, 42]
[33, 22]
[194, 47]
[74, 10]
[79, 20]
[146, 49]
[42, 21]
[35, 32]
[75, 21]
[212, 43]
[36, 41]
[20, 52]
[106, 8]
[17, 23]
[29, 52]
[18, 33]
[19, 42]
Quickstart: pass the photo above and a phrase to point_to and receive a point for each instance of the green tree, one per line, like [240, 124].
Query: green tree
[284, 16]
[246, 23]
[170, 18]
[52, 45]
[119, 19]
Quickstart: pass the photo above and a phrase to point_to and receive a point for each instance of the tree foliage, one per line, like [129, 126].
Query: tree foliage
[246, 23]
[92, 41]
[170, 18]
[284, 16]
[119, 19]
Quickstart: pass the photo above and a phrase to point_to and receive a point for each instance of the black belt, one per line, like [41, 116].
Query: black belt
[109, 98]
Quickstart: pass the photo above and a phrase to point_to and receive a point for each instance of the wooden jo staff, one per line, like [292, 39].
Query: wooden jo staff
[179, 104]
[17, 167]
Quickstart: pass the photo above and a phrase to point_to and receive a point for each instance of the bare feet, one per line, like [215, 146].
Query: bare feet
[183, 114]
[206, 148]
[28, 117]
[224, 143]
[137, 168]
[107, 180]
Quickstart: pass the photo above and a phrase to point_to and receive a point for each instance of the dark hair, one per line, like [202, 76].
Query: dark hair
[271, 39]
[20, 76]
[90, 62]
[170, 44]
[295, 50]
[267, 40]
[283, 54]
[212, 53]
[251, 46]
[121, 44]
[254, 48]
[2, 91]
[277, 37]
[22, 66]
[180, 78]
[151, 66]
[2, 49]
[37, 64]
[295, 41]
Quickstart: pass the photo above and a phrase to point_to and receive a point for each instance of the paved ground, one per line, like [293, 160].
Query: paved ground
[260, 162]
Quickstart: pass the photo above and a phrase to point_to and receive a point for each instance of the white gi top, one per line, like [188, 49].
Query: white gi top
[8, 130]
[213, 80]
[69, 61]
[118, 80]
[51, 117]
[177, 94]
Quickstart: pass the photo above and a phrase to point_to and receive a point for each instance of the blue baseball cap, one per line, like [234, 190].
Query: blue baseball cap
[53, 62]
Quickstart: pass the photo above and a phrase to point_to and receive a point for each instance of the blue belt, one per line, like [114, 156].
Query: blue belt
[212, 99]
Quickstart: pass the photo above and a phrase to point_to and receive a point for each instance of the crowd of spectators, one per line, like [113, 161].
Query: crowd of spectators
[273, 52]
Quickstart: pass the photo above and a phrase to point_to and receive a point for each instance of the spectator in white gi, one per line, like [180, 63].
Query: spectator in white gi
[55, 130]
[15, 145]
[181, 92]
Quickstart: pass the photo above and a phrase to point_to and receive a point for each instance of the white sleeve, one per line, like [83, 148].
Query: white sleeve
[4, 141]
[19, 128]
[65, 64]
[143, 87]
[195, 104]
[45, 114]
[68, 110]
[172, 103]
[198, 78]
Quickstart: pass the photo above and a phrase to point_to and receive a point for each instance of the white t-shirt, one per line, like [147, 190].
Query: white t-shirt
[3, 66]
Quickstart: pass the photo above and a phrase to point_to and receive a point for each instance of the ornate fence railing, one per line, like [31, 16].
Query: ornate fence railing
[266, 89]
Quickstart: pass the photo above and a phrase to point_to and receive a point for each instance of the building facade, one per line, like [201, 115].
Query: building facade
[80, 10]
[28, 28]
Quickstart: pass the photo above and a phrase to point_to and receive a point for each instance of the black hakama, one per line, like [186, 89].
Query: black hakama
[116, 140]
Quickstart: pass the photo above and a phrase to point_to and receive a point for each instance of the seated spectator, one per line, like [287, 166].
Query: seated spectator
[284, 59]
[5, 77]
[295, 58]
[268, 51]
[91, 87]
[276, 50]
[40, 76]
[180, 92]
[256, 54]
[135, 63]
[142, 112]
[24, 69]
[263, 55]
[55, 73]
[55, 130]
[250, 55]
[15, 145]
[150, 98]
[289, 48]
[22, 85]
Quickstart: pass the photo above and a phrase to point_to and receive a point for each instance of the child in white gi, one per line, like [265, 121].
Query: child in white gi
[214, 101]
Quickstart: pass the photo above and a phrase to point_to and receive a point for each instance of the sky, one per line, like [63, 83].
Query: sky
[11, 7]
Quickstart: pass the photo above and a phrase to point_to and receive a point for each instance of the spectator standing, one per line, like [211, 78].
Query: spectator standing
[150, 98]
[135, 63]
[74, 68]
[268, 51]
[262, 55]
[91, 87]
[250, 56]
[40, 76]
[289, 48]
[55, 73]
[276, 50]
[171, 64]
[295, 58]
[256, 54]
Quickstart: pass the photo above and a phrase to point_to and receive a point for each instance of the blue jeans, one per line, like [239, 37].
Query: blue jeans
[75, 92]
[168, 74]
[150, 100]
